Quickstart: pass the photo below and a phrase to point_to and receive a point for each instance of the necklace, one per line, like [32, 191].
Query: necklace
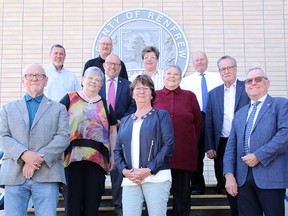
[90, 101]
[135, 117]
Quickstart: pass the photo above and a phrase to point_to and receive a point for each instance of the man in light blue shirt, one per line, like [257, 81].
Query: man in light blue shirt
[61, 81]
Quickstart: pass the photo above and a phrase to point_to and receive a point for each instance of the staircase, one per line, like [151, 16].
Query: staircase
[209, 204]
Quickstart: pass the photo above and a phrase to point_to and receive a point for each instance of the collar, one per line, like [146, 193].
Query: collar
[101, 59]
[37, 99]
[198, 73]
[134, 117]
[233, 85]
[54, 68]
[262, 99]
[167, 91]
[108, 78]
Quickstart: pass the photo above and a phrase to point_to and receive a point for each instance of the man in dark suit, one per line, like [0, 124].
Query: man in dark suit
[123, 105]
[222, 103]
[105, 47]
[256, 156]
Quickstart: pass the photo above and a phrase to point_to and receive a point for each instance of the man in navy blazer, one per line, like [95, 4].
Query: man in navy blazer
[222, 103]
[256, 171]
[124, 105]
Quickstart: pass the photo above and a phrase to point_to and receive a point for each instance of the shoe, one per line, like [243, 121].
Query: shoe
[197, 192]
[120, 214]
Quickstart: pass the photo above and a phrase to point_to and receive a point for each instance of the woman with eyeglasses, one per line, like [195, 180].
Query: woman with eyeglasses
[90, 156]
[143, 150]
[150, 57]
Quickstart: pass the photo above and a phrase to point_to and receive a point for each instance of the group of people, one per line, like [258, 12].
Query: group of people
[150, 134]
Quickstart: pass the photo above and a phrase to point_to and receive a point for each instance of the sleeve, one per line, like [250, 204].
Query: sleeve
[123, 72]
[66, 101]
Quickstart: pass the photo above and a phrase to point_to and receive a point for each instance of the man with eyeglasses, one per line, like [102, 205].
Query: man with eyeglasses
[61, 80]
[121, 100]
[200, 83]
[105, 47]
[34, 132]
[223, 101]
[256, 156]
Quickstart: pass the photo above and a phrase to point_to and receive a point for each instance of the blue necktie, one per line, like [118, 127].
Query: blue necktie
[204, 92]
[249, 126]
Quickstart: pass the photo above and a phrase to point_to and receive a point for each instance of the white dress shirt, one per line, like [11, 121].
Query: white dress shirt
[157, 78]
[60, 83]
[193, 83]
[229, 106]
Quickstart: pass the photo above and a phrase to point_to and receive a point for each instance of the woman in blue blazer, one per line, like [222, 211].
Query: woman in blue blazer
[143, 150]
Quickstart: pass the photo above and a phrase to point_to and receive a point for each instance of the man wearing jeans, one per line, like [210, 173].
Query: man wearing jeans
[34, 132]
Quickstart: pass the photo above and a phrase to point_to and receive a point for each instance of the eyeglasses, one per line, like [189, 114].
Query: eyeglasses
[149, 57]
[37, 76]
[256, 79]
[226, 68]
[112, 63]
[91, 79]
[145, 89]
[106, 44]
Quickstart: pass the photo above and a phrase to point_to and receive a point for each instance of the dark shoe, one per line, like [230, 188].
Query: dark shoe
[197, 192]
[120, 214]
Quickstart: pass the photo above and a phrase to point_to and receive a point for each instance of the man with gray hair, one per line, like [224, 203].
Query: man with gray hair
[34, 132]
[256, 156]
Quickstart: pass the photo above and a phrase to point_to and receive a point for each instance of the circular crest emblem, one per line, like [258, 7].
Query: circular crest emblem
[132, 30]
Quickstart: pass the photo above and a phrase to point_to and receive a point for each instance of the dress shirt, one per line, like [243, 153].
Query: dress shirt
[32, 106]
[157, 78]
[262, 99]
[60, 83]
[193, 83]
[108, 84]
[229, 107]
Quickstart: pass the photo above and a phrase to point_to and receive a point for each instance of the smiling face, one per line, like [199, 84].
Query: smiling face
[228, 71]
[257, 84]
[105, 46]
[200, 61]
[112, 66]
[150, 61]
[92, 83]
[35, 86]
[172, 78]
[57, 57]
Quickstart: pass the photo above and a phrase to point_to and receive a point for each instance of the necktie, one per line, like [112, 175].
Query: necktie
[111, 93]
[249, 126]
[204, 92]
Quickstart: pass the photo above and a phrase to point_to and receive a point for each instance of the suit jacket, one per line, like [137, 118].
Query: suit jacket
[215, 112]
[49, 135]
[268, 141]
[124, 104]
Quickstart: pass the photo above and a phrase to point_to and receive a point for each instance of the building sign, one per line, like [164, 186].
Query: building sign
[134, 29]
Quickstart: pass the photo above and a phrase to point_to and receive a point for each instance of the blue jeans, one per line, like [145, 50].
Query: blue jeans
[44, 197]
[156, 196]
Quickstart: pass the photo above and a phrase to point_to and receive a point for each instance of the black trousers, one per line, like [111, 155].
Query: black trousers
[218, 166]
[197, 178]
[181, 192]
[255, 201]
[116, 181]
[85, 187]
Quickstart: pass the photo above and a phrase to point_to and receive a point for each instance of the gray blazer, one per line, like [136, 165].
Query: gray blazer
[268, 141]
[49, 135]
